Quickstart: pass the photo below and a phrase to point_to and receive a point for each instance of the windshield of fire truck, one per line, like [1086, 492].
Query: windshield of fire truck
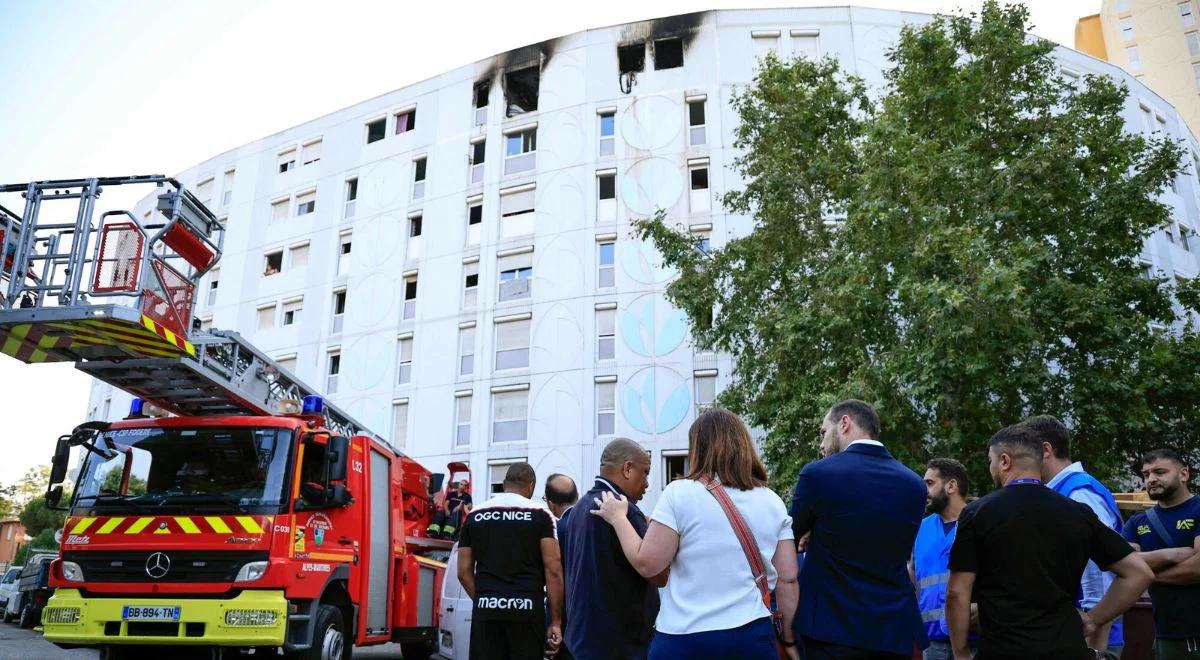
[201, 468]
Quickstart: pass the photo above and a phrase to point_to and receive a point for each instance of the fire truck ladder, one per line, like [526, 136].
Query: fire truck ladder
[129, 322]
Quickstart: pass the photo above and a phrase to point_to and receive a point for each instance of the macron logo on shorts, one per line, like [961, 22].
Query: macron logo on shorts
[501, 603]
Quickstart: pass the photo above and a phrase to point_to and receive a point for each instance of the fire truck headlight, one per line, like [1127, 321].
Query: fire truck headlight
[251, 572]
[71, 572]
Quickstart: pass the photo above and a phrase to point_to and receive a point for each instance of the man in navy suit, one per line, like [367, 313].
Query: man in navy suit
[863, 508]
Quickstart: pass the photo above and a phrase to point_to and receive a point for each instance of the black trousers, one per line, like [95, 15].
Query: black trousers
[508, 640]
[818, 650]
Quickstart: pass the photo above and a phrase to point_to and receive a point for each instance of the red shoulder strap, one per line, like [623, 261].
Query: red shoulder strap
[744, 536]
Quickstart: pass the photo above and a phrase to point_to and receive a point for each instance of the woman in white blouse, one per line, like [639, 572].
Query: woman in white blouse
[711, 606]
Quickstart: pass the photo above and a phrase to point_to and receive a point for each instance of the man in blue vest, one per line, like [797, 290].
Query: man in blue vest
[947, 482]
[1067, 477]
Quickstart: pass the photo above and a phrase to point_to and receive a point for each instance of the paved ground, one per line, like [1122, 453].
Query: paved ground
[18, 644]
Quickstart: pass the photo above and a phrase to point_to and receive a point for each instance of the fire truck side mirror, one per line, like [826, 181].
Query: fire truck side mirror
[58, 464]
[53, 497]
[337, 451]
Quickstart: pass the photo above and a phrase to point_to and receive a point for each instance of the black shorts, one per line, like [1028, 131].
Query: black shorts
[508, 640]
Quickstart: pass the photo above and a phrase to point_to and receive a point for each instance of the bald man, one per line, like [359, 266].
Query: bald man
[611, 609]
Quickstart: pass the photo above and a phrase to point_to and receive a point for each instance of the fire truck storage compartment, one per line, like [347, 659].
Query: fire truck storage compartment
[381, 542]
[425, 605]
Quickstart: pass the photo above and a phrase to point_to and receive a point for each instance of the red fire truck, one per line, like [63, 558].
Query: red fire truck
[244, 513]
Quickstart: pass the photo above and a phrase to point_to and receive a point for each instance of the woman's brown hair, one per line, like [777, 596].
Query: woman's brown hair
[719, 446]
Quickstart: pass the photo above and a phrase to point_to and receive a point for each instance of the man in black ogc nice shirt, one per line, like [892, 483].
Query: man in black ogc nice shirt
[508, 561]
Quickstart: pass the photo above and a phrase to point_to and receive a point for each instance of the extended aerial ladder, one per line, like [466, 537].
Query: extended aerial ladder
[115, 294]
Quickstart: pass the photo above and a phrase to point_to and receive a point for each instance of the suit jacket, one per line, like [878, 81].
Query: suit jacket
[864, 509]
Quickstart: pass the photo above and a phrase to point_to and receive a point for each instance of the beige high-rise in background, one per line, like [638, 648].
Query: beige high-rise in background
[1156, 40]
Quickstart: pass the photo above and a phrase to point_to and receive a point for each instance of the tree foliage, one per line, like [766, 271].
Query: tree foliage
[960, 248]
[37, 517]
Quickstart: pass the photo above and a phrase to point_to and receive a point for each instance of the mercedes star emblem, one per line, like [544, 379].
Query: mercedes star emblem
[157, 565]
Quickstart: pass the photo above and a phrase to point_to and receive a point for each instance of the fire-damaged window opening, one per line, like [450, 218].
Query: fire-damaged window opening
[668, 53]
[521, 90]
[481, 93]
[631, 58]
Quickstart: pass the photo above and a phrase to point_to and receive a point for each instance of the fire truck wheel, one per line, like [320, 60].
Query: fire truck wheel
[329, 640]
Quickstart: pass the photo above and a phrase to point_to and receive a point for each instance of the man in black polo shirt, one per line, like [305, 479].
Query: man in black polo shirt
[1168, 536]
[507, 559]
[1021, 551]
[611, 608]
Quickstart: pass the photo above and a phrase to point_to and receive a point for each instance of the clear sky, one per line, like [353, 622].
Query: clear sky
[139, 87]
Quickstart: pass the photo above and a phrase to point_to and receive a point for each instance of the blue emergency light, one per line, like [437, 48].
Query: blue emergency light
[313, 405]
[135, 407]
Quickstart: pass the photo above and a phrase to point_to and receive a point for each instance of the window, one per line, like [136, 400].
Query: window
[606, 269]
[1135, 58]
[214, 277]
[418, 190]
[510, 416]
[478, 153]
[631, 58]
[668, 53]
[1193, 43]
[287, 363]
[696, 123]
[470, 284]
[1196, 74]
[520, 151]
[806, 43]
[466, 351]
[699, 195]
[405, 372]
[310, 153]
[1184, 240]
[279, 209]
[291, 311]
[764, 42]
[406, 121]
[608, 130]
[606, 186]
[376, 130]
[706, 390]
[462, 419]
[512, 344]
[410, 297]
[1185, 14]
[266, 317]
[521, 90]
[331, 372]
[414, 237]
[339, 309]
[606, 408]
[1170, 232]
[306, 203]
[272, 263]
[351, 197]
[204, 191]
[606, 333]
[298, 256]
[399, 423]
[1127, 33]
[516, 212]
[606, 196]
[675, 466]
[344, 245]
[481, 101]
[475, 213]
[287, 160]
[227, 189]
[516, 276]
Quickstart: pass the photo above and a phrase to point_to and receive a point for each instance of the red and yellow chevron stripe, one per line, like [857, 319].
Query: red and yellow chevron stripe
[58, 341]
[102, 525]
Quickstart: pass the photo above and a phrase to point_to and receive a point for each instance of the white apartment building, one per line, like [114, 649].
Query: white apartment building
[452, 261]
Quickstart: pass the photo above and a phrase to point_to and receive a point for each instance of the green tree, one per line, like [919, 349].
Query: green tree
[37, 517]
[43, 541]
[960, 249]
[111, 483]
[30, 485]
